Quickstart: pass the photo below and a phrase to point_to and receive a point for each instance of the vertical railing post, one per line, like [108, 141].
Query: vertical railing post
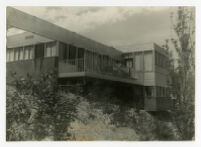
[76, 59]
[84, 69]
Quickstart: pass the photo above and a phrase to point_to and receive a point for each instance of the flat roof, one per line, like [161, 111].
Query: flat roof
[147, 47]
[29, 23]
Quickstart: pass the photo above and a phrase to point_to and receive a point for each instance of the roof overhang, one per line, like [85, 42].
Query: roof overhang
[29, 23]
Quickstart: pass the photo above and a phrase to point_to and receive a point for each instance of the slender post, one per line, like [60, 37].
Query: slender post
[84, 60]
[76, 59]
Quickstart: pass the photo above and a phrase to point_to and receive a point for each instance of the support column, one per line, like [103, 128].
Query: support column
[76, 59]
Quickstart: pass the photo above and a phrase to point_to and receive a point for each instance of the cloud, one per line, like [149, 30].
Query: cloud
[85, 19]
[145, 26]
[120, 27]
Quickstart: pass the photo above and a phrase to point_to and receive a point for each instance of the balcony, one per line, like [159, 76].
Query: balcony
[79, 67]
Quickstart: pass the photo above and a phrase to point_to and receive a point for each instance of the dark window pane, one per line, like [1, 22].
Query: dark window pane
[39, 51]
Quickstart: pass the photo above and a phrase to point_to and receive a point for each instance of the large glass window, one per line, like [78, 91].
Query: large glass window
[31, 52]
[80, 53]
[11, 55]
[39, 51]
[50, 49]
[28, 52]
[72, 52]
[8, 55]
[62, 51]
[149, 91]
[16, 54]
[21, 56]
[161, 91]
[129, 63]
[161, 60]
[54, 49]
[148, 62]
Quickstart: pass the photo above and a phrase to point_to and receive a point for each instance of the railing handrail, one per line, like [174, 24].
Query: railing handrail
[80, 65]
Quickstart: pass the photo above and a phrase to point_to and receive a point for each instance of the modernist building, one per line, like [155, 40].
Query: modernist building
[45, 47]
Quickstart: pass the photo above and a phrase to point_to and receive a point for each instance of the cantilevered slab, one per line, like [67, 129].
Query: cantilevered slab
[99, 76]
[24, 21]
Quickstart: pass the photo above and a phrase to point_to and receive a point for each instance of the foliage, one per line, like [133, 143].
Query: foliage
[183, 75]
[31, 115]
[38, 108]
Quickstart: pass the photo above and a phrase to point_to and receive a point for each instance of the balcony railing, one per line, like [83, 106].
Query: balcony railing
[79, 65]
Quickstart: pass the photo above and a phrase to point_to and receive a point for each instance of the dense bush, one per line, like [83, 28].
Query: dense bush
[41, 111]
[38, 108]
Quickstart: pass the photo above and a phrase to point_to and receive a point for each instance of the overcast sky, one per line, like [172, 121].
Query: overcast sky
[121, 27]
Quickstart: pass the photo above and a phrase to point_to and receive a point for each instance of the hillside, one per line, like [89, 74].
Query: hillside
[44, 114]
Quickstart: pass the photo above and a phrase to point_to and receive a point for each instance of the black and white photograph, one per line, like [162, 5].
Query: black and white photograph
[100, 73]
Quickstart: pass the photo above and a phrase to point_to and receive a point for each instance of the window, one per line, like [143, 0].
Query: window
[161, 60]
[8, 55]
[39, 51]
[62, 51]
[54, 49]
[11, 55]
[162, 91]
[129, 63]
[148, 64]
[72, 52]
[16, 54]
[149, 91]
[31, 52]
[80, 53]
[158, 91]
[21, 56]
[50, 49]
[28, 52]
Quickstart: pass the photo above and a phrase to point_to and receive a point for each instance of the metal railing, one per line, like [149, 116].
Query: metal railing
[72, 65]
[79, 65]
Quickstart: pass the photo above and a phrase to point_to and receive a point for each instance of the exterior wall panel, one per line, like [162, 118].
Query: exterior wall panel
[149, 79]
[31, 67]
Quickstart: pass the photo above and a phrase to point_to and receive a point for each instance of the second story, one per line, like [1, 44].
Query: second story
[35, 53]
[148, 65]
[51, 46]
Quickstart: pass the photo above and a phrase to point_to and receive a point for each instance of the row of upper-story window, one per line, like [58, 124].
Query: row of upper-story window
[161, 60]
[143, 61]
[151, 91]
[71, 52]
[29, 52]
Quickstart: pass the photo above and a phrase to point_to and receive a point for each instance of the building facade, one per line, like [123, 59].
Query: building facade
[52, 48]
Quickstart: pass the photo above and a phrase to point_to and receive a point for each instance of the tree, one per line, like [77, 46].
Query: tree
[183, 77]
